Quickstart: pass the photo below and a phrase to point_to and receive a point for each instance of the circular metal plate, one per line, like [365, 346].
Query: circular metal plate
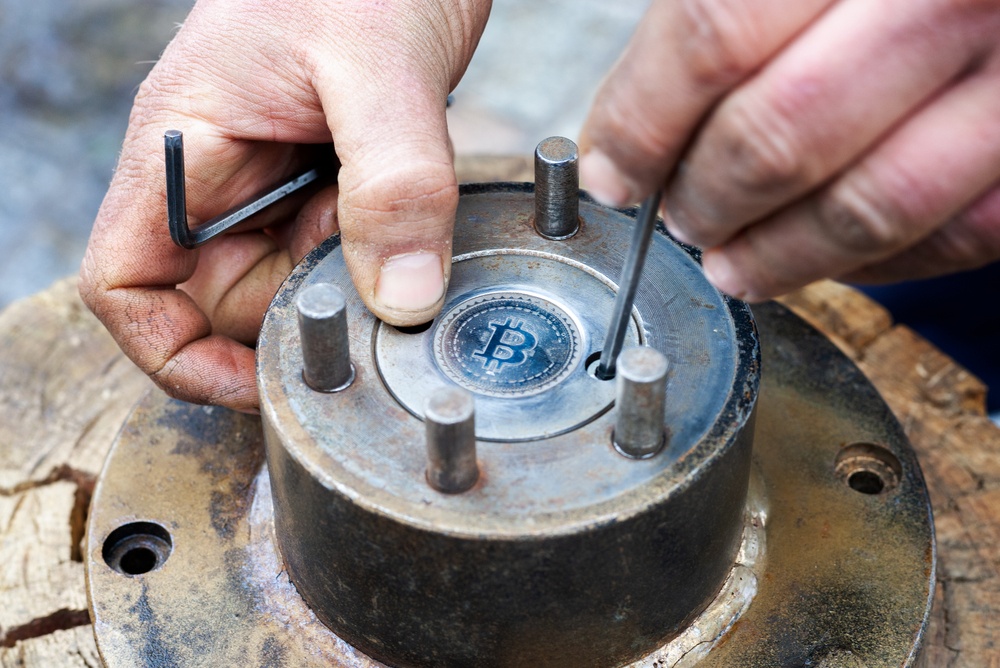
[531, 489]
[509, 341]
[846, 578]
[511, 551]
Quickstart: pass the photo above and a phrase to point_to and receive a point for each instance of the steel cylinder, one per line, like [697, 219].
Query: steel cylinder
[641, 377]
[326, 356]
[557, 188]
[450, 420]
[563, 552]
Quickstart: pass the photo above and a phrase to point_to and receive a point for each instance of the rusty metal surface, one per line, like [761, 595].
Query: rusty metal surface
[222, 597]
[849, 574]
[679, 313]
[564, 551]
[845, 580]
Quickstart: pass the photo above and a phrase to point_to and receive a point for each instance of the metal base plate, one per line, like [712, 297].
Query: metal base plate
[183, 569]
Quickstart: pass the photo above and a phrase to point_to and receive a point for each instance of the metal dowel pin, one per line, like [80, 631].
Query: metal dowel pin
[557, 188]
[449, 417]
[326, 353]
[642, 392]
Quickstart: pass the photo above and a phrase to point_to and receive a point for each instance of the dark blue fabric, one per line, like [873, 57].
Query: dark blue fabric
[960, 314]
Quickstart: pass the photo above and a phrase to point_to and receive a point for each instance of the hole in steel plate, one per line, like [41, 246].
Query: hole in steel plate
[868, 468]
[415, 329]
[137, 548]
[137, 561]
[866, 482]
[593, 360]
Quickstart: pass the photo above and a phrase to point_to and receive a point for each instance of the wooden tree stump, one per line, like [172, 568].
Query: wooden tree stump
[65, 390]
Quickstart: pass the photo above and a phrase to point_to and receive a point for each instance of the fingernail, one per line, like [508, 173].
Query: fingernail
[721, 273]
[410, 283]
[604, 181]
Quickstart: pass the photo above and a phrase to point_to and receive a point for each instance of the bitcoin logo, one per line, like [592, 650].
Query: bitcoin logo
[510, 344]
[507, 344]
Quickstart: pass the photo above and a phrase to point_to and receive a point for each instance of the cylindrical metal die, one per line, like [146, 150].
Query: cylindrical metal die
[563, 552]
[449, 419]
[557, 188]
[326, 355]
[642, 391]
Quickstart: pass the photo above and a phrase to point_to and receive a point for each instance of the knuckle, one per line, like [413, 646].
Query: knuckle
[87, 285]
[973, 237]
[409, 193]
[697, 228]
[134, 169]
[92, 284]
[629, 130]
[155, 94]
[760, 150]
[861, 221]
[717, 41]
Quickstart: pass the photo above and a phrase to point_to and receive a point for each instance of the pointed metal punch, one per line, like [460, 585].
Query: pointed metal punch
[180, 232]
[642, 234]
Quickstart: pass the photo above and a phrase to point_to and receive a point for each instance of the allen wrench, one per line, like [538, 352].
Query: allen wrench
[180, 232]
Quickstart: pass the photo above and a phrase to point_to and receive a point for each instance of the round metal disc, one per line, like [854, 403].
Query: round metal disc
[569, 287]
[836, 567]
[509, 341]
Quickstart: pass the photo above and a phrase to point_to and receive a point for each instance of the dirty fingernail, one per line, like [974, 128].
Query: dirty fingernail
[604, 181]
[410, 283]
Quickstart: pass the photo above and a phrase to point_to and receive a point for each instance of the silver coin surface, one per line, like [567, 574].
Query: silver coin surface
[507, 344]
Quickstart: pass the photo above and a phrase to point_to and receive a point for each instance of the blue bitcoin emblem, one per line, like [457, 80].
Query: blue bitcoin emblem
[509, 344]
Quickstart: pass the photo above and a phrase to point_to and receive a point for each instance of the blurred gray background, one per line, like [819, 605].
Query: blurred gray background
[69, 70]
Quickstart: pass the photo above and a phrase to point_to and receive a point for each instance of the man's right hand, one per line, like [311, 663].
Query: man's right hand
[249, 82]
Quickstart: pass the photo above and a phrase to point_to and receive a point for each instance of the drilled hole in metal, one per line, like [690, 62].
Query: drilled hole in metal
[137, 548]
[866, 482]
[137, 561]
[416, 329]
[593, 361]
[868, 468]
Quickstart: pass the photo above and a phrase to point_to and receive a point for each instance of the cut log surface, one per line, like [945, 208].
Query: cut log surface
[65, 390]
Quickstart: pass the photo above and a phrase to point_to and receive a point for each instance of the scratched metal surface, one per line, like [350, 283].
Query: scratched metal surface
[712, 383]
[560, 546]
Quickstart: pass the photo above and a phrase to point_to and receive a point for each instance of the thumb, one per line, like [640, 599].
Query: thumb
[398, 196]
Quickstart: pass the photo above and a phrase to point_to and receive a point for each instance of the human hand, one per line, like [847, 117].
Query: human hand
[252, 83]
[819, 138]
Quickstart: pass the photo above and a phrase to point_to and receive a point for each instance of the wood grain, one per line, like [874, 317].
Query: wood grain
[942, 408]
[65, 389]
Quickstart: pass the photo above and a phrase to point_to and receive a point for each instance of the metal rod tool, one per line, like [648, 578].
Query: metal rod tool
[627, 285]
